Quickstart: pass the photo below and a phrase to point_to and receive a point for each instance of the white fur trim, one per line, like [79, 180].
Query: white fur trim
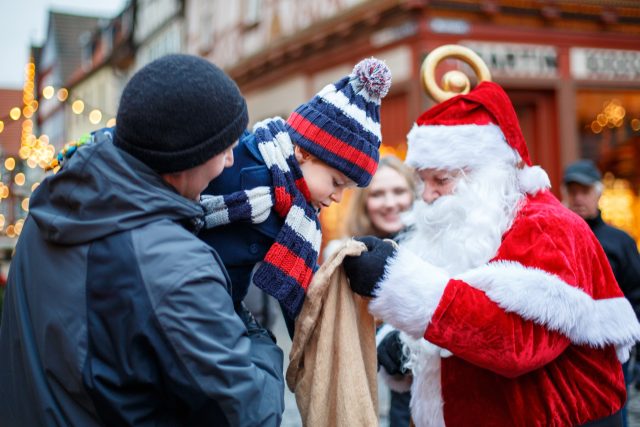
[469, 146]
[409, 293]
[547, 300]
[457, 147]
[426, 390]
[532, 179]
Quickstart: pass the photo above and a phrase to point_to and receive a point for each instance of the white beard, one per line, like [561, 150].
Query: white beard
[464, 230]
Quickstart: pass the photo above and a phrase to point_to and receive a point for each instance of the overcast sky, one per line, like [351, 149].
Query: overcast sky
[24, 22]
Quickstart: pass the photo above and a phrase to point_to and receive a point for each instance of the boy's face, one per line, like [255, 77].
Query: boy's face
[325, 183]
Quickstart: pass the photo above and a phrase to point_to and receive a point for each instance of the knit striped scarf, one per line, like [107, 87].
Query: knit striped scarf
[289, 264]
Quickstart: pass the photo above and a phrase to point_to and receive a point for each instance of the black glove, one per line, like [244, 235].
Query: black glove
[250, 322]
[390, 355]
[365, 271]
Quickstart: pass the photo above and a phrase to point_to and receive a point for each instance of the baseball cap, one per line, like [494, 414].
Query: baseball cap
[583, 172]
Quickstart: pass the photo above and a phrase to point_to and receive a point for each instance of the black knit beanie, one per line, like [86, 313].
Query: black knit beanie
[178, 112]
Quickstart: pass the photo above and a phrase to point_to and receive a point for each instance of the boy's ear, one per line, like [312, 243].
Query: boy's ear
[301, 154]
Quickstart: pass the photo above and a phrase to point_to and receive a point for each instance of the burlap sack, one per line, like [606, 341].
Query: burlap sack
[333, 362]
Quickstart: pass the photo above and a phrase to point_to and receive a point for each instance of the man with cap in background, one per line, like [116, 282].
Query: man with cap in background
[583, 185]
[115, 312]
[506, 305]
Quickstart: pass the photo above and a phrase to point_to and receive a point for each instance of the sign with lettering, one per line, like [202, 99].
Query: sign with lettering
[605, 64]
[449, 26]
[393, 34]
[517, 59]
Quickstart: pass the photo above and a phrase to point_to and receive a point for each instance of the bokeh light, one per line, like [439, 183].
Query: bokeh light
[10, 163]
[77, 106]
[95, 116]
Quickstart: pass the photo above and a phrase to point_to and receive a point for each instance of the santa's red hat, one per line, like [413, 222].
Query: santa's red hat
[467, 130]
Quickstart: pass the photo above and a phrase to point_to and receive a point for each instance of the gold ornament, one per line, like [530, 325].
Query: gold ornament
[453, 82]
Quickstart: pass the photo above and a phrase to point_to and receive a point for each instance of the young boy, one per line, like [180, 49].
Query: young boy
[266, 226]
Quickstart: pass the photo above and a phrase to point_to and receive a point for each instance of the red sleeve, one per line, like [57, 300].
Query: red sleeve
[476, 329]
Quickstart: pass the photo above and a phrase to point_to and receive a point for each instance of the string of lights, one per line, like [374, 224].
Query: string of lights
[31, 103]
[35, 151]
[612, 116]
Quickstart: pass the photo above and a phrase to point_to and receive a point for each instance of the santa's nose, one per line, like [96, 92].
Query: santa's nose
[429, 194]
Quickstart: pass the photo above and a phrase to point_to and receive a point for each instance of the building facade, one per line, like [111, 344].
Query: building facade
[571, 68]
[97, 82]
[60, 56]
[159, 29]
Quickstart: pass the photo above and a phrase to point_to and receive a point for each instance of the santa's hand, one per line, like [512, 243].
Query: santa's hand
[390, 355]
[365, 271]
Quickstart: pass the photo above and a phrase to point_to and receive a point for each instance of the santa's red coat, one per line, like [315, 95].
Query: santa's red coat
[533, 338]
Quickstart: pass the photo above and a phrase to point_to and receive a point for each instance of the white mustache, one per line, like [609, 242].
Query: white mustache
[463, 229]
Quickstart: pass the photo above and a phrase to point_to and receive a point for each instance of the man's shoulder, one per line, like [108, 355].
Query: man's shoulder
[165, 247]
[614, 234]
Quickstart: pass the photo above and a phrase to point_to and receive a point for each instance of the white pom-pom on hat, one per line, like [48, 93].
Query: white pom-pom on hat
[373, 76]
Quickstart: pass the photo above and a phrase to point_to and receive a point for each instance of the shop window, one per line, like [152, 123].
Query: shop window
[609, 134]
[395, 123]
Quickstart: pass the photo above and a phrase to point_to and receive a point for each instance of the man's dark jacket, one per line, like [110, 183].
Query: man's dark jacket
[116, 314]
[623, 256]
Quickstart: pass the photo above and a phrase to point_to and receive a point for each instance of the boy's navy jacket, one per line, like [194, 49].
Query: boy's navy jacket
[242, 245]
[115, 314]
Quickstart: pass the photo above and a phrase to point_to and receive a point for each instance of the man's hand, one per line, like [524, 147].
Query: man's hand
[390, 355]
[365, 271]
[250, 322]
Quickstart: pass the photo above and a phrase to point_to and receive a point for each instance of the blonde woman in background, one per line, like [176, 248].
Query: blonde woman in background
[377, 210]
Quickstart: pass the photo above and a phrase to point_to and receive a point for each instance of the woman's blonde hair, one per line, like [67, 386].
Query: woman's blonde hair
[358, 222]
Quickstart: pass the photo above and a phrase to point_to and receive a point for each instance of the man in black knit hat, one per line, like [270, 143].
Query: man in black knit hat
[115, 313]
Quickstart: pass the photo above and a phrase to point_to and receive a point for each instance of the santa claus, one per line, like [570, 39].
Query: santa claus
[508, 310]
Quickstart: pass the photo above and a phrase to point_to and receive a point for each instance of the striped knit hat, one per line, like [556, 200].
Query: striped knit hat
[341, 124]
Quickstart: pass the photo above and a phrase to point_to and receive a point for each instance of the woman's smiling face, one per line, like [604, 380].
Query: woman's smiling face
[389, 196]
